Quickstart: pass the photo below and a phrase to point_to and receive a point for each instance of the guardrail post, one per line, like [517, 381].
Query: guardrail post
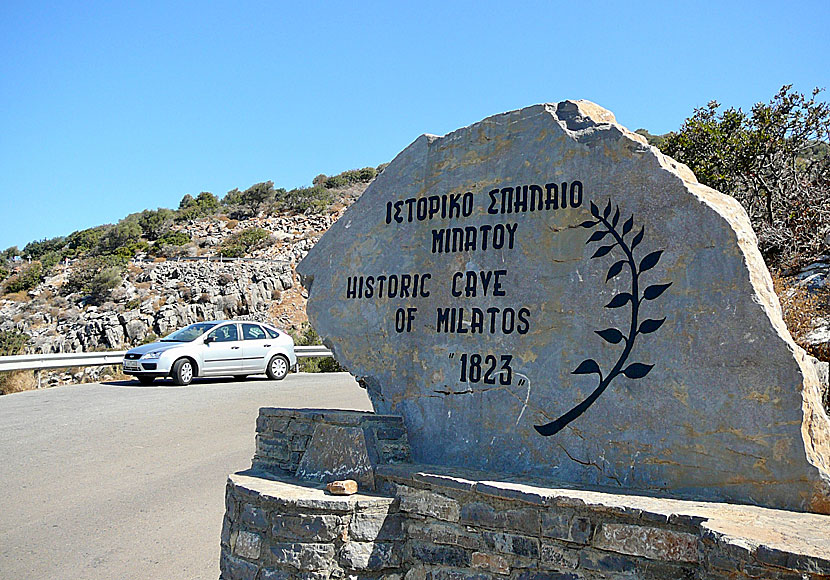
[37, 376]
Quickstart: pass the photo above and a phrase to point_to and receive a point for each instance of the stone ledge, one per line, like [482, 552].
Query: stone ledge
[291, 492]
[334, 416]
[444, 522]
[788, 540]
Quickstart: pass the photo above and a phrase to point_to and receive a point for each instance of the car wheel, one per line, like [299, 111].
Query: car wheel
[182, 371]
[240, 377]
[146, 380]
[277, 367]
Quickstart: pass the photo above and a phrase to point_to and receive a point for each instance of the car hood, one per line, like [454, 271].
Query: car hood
[161, 346]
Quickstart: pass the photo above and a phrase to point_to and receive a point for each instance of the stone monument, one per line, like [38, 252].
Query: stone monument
[544, 294]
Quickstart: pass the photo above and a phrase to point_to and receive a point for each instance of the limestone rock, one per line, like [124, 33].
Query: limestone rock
[342, 487]
[543, 293]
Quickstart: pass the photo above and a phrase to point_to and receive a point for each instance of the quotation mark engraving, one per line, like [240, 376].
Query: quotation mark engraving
[614, 335]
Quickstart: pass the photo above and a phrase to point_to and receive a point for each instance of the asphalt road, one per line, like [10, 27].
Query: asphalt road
[120, 481]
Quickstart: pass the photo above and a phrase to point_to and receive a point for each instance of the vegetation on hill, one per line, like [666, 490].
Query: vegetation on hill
[102, 253]
[775, 161]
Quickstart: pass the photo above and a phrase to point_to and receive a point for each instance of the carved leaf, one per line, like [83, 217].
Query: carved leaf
[607, 211]
[611, 335]
[594, 210]
[638, 238]
[616, 218]
[650, 325]
[588, 224]
[587, 367]
[654, 291]
[629, 223]
[619, 300]
[615, 269]
[602, 250]
[597, 235]
[637, 370]
[650, 261]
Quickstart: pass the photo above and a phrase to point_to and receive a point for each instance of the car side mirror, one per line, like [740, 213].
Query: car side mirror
[209, 339]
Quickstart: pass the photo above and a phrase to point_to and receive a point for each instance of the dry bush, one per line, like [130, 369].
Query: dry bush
[21, 296]
[113, 373]
[17, 382]
[231, 224]
[801, 307]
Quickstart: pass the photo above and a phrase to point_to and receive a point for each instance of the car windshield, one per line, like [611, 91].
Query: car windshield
[189, 333]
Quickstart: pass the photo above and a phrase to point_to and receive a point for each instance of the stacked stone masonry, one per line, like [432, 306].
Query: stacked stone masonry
[427, 523]
[283, 435]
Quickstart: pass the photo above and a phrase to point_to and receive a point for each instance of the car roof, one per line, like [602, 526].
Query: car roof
[237, 321]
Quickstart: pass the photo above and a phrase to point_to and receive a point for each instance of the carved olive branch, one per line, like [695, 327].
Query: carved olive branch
[614, 335]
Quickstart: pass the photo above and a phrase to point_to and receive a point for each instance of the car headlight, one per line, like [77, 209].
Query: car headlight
[153, 354]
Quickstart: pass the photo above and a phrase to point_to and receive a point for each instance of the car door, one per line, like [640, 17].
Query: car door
[223, 351]
[255, 345]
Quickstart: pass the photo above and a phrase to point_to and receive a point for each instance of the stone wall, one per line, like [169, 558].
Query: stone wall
[431, 523]
[275, 530]
[283, 435]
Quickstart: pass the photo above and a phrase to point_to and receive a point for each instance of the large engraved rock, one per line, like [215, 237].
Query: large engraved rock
[543, 293]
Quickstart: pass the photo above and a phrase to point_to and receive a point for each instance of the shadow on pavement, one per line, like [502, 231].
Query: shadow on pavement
[196, 382]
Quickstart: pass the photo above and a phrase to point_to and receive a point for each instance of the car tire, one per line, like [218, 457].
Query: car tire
[146, 380]
[240, 377]
[277, 367]
[183, 371]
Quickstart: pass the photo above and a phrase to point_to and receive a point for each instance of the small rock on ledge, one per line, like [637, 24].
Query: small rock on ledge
[344, 487]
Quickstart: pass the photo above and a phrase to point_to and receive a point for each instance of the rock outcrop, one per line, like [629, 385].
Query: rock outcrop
[156, 299]
[543, 293]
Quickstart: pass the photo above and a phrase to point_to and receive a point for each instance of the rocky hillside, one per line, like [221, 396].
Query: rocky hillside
[157, 296]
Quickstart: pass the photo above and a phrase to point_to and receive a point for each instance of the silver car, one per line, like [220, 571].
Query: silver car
[211, 349]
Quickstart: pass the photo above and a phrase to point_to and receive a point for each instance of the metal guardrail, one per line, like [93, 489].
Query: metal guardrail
[219, 258]
[36, 362]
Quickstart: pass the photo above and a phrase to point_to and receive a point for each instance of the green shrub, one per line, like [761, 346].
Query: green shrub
[27, 278]
[309, 337]
[35, 250]
[773, 161]
[349, 177]
[240, 244]
[173, 239]
[307, 199]
[253, 200]
[336, 181]
[154, 223]
[205, 204]
[120, 239]
[50, 258]
[83, 242]
[9, 253]
[95, 278]
[12, 342]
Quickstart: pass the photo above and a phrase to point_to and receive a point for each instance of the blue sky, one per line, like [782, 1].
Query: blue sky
[109, 108]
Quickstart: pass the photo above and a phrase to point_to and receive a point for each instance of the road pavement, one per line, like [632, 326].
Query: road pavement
[121, 481]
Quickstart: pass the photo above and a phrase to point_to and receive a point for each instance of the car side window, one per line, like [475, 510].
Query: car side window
[252, 332]
[225, 333]
[272, 333]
